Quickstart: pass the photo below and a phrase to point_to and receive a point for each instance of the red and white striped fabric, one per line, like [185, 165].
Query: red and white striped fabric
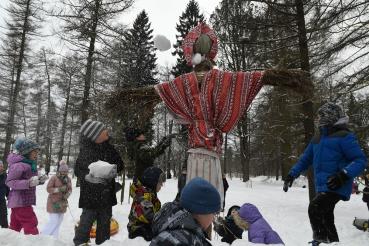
[217, 108]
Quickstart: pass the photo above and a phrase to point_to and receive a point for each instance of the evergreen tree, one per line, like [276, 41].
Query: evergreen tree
[140, 56]
[188, 20]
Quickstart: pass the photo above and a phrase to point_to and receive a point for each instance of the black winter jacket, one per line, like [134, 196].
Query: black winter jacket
[96, 196]
[174, 226]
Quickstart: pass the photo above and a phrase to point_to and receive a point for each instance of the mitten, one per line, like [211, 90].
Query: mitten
[288, 182]
[61, 189]
[43, 178]
[165, 143]
[336, 181]
[67, 195]
[33, 181]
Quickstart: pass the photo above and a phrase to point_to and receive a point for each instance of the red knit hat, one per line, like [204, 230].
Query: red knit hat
[189, 41]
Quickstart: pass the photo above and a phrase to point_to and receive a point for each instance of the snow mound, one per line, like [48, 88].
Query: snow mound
[161, 43]
[101, 169]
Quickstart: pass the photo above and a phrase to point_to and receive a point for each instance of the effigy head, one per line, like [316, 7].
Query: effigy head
[200, 45]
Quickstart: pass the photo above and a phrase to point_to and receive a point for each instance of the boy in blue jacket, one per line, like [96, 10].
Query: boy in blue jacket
[337, 159]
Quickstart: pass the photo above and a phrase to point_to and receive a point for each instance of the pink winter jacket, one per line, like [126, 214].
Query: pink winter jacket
[54, 183]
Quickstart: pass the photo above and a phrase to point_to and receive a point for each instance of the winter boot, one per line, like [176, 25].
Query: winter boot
[314, 243]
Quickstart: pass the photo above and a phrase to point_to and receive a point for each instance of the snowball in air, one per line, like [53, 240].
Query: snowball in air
[161, 43]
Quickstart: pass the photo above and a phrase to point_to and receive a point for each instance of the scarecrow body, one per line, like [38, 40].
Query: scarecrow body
[217, 107]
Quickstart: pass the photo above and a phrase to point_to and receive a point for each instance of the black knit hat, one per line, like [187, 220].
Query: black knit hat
[92, 129]
[152, 176]
[132, 133]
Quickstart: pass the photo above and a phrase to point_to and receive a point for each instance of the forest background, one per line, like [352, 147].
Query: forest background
[48, 91]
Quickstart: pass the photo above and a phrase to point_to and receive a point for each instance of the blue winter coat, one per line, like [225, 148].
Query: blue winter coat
[4, 190]
[331, 151]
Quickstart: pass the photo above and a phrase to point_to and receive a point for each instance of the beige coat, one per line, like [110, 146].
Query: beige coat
[54, 183]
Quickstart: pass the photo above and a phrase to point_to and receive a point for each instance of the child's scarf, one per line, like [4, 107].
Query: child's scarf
[31, 162]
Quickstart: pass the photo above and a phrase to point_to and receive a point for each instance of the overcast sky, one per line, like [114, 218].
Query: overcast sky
[163, 15]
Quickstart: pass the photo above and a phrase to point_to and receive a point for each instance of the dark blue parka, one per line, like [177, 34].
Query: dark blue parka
[331, 151]
[4, 190]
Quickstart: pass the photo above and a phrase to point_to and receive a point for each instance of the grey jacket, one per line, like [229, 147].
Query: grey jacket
[174, 225]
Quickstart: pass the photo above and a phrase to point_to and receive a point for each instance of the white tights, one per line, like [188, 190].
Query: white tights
[53, 226]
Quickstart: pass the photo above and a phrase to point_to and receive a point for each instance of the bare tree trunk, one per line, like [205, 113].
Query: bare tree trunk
[13, 104]
[308, 104]
[64, 126]
[91, 51]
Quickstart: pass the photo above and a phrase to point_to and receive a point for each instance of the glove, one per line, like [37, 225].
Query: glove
[33, 181]
[43, 178]
[336, 181]
[165, 143]
[67, 195]
[61, 189]
[288, 182]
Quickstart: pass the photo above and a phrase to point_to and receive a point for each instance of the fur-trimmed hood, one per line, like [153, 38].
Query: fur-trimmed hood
[241, 222]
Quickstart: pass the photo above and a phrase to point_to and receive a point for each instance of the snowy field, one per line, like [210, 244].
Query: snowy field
[285, 212]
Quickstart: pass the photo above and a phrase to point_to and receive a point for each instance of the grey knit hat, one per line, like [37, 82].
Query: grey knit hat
[92, 129]
[331, 111]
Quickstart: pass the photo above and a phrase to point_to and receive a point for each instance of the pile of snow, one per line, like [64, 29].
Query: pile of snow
[161, 43]
[101, 169]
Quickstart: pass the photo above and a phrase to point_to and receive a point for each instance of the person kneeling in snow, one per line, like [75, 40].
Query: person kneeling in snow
[98, 196]
[59, 189]
[145, 203]
[250, 219]
[227, 228]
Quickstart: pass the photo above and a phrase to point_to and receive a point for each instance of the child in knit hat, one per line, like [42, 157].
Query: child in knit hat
[259, 231]
[23, 179]
[145, 203]
[59, 189]
[95, 199]
[185, 223]
[4, 192]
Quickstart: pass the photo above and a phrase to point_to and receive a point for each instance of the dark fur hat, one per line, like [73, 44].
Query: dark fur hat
[132, 133]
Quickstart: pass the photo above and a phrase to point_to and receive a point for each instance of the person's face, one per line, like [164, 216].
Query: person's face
[321, 117]
[33, 155]
[141, 137]
[1, 169]
[103, 137]
[158, 188]
[233, 211]
[204, 219]
[184, 172]
[64, 173]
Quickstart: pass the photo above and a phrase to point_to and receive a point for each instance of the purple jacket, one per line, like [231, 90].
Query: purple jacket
[21, 195]
[259, 230]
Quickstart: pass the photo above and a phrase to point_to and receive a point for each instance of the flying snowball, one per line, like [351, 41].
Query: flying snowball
[161, 43]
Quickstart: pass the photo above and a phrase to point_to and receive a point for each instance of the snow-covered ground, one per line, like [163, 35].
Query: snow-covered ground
[285, 212]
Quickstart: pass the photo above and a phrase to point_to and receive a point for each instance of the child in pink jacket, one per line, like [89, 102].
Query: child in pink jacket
[59, 189]
[22, 180]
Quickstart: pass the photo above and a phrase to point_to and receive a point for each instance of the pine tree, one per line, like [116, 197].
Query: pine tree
[187, 21]
[139, 54]
[139, 60]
